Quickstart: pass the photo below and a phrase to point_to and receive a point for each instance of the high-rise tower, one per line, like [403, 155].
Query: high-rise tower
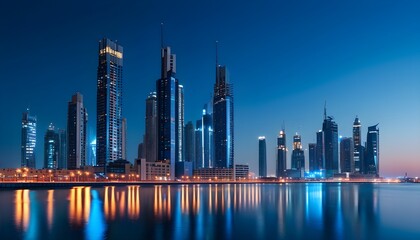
[204, 141]
[346, 155]
[281, 154]
[109, 102]
[357, 140]
[76, 132]
[168, 111]
[28, 141]
[330, 131]
[223, 119]
[262, 157]
[150, 138]
[189, 137]
[51, 148]
[180, 123]
[312, 157]
[371, 160]
[298, 155]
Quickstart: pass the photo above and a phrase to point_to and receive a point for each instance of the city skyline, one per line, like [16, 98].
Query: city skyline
[394, 61]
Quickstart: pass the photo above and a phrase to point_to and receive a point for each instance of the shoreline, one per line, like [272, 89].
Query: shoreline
[64, 185]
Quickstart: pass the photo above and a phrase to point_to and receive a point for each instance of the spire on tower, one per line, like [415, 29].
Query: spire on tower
[161, 35]
[217, 53]
[325, 110]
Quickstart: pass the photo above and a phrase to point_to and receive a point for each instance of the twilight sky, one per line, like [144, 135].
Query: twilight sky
[285, 59]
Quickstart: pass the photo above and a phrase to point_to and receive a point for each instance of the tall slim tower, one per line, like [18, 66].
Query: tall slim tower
[312, 157]
[109, 102]
[189, 142]
[180, 123]
[298, 155]
[346, 155]
[223, 119]
[330, 131]
[62, 155]
[28, 141]
[150, 137]
[204, 141]
[168, 111]
[76, 132]
[357, 139]
[51, 147]
[372, 151]
[320, 154]
[262, 157]
[281, 154]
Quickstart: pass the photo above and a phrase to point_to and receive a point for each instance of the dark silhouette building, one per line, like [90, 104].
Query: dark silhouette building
[109, 103]
[150, 138]
[189, 140]
[371, 161]
[312, 157]
[346, 155]
[320, 156]
[330, 131]
[262, 157]
[76, 132]
[281, 154]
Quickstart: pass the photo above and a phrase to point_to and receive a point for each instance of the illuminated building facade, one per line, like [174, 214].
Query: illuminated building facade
[330, 145]
[109, 102]
[51, 148]
[204, 141]
[28, 141]
[298, 155]
[223, 119]
[189, 146]
[281, 154]
[150, 138]
[312, 156]
[357, 139]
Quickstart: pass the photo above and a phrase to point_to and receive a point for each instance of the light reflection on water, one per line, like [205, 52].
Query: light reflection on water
[297, 211]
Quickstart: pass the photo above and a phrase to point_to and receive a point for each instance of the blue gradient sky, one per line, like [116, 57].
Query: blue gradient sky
[285, 59]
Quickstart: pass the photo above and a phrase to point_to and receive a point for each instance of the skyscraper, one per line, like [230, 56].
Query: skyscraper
[150, 138]
[312, 157]
[298, 155]
[204, 141]
[346, 155]
[76, 132]
[28, 141]
[51, 147]
[180, 123]
[330, 131]
[62, 153]
[168, 111]
[281, 154]
[371, 160]
[92, 153]
[357, 139]
[320, 155]
[262, 157]
[223, 119]
[109, 102]
[189, 146]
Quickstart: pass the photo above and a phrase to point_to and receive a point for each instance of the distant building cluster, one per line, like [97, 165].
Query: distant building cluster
[170, 148]
[330, 156]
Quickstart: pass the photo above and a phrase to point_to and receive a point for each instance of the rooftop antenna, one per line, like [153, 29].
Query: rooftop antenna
[161, 34]
[325, 110]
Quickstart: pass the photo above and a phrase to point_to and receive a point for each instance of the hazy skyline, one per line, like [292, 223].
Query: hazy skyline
[285, 60]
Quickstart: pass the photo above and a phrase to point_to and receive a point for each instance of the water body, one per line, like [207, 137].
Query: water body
[215, 211]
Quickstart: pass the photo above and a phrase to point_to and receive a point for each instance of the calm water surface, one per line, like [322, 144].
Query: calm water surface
[217, 211]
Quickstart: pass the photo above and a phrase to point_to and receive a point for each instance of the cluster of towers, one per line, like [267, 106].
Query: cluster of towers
[167, 139]
[330, 154]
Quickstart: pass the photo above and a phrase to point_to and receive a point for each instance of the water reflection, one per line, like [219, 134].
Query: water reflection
[202, 211]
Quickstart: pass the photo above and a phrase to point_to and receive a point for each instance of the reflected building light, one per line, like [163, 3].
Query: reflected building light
[106, 202]
[26, 210]
[86, 204]
[113, 204]
[50, 208]
[122, 203]
[210, 199]
[22, 209]
[95, 227]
